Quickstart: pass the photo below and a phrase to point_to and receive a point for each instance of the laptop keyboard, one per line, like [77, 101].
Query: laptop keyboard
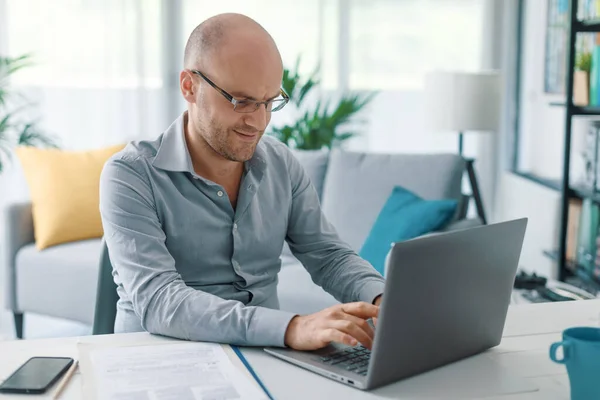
[355, 359]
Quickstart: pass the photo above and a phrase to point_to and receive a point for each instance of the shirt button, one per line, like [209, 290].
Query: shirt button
[235, 227]
[220, 193]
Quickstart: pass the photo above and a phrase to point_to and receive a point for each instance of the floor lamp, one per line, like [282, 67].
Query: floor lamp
[462, 102]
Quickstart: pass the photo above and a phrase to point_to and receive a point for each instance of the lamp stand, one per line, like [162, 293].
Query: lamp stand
[476, 192]
[473, 181]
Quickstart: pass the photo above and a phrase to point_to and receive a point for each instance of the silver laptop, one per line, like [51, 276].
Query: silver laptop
[446, 298]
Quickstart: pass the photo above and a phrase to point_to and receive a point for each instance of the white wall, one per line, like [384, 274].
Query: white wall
[519, 197]
[397, 122]
[542, 126]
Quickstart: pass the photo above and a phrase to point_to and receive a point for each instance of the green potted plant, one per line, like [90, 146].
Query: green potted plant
[15, 128]
[581, 78]
[326, 124]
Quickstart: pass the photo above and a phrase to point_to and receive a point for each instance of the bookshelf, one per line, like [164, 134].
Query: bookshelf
[567, 268]
[579, 276]
[584, 193]
[587, 26]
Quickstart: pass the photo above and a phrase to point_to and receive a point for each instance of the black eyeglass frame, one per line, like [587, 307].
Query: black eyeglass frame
[236, 103]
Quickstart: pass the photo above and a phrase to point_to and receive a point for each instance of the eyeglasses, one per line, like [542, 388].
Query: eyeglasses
[248, 106]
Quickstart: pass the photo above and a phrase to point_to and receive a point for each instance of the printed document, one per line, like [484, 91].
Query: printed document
[188, 371]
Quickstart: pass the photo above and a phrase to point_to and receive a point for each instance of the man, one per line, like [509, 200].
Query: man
[195, 221]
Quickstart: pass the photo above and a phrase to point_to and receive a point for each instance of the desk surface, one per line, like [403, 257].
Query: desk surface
[529, 331]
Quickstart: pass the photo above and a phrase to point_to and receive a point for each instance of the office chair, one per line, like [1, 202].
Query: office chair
[106, 297]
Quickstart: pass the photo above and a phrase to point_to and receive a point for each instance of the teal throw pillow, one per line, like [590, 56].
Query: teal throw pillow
[404, 216]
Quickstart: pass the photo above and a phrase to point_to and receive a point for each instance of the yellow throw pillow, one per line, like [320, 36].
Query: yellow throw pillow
[64, 189]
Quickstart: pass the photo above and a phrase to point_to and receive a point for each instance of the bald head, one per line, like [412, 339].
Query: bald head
[218, 32]
[237, 55]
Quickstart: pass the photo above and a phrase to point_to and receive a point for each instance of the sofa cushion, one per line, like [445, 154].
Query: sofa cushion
[358, 184]
[64, 187]
[297, 292]
[59, 281]
[404, 216]
[315, 165]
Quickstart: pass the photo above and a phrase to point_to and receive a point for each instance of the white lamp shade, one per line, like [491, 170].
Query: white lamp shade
[462, 101]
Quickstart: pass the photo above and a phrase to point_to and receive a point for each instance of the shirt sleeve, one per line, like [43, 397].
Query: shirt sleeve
[331, 262]
[147, 271]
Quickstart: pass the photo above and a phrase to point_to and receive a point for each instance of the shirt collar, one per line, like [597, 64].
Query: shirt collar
[173, 153]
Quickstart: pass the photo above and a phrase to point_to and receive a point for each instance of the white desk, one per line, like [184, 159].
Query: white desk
[529, 331]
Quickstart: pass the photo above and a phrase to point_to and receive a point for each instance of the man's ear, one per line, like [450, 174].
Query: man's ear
[186, 85]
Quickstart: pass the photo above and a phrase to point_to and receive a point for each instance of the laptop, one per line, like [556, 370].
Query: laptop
[446, 298]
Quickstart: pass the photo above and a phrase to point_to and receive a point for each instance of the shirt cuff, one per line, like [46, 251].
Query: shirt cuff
[268, 327]
[371, 290]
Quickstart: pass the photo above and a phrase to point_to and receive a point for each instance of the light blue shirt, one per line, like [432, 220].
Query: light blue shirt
[188, 265]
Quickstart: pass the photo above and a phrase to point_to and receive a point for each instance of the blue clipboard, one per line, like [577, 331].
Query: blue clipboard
[251, 370]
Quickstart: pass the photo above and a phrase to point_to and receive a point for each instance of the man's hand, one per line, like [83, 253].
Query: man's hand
[377, 301]
[343, 323]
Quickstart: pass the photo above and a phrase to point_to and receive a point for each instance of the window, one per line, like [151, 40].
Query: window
[394, 42]
[87, 43]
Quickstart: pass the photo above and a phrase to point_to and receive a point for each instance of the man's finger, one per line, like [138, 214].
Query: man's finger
[334, 335]
[361, 310]
[361, 323]
[353, 330]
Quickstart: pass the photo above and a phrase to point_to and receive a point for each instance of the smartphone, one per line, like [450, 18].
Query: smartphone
[36, 375]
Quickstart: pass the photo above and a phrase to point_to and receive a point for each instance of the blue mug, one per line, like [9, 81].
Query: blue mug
[581, 349]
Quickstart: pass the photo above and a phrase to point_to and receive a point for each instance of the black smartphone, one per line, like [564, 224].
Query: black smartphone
[36, 375]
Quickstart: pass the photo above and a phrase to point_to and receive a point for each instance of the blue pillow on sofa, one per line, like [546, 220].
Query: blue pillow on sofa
[404, 216]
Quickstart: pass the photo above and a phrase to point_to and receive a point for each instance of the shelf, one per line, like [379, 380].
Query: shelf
[576, 270]
[553, 255]
[591, 110]
[578, 110]
[587, 26]
[585, 193]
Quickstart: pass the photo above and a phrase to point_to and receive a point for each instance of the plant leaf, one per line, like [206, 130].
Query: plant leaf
[318, 126]
[4, 123]
[29, 136]
[3, 96]
[304, 90]
[345, 136]
[10, 65]
[4, 145]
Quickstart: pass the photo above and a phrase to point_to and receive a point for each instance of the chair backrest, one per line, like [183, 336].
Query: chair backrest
[106, 297]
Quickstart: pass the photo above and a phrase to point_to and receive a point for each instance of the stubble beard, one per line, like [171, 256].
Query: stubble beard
[223, 142]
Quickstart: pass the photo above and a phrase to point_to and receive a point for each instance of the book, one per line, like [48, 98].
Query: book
[587, 233]
[595, 77]
[574, 215]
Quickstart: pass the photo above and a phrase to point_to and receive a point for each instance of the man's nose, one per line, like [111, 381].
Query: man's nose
[258, 119]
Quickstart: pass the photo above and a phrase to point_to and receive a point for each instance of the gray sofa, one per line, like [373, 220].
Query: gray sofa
[61, 281]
